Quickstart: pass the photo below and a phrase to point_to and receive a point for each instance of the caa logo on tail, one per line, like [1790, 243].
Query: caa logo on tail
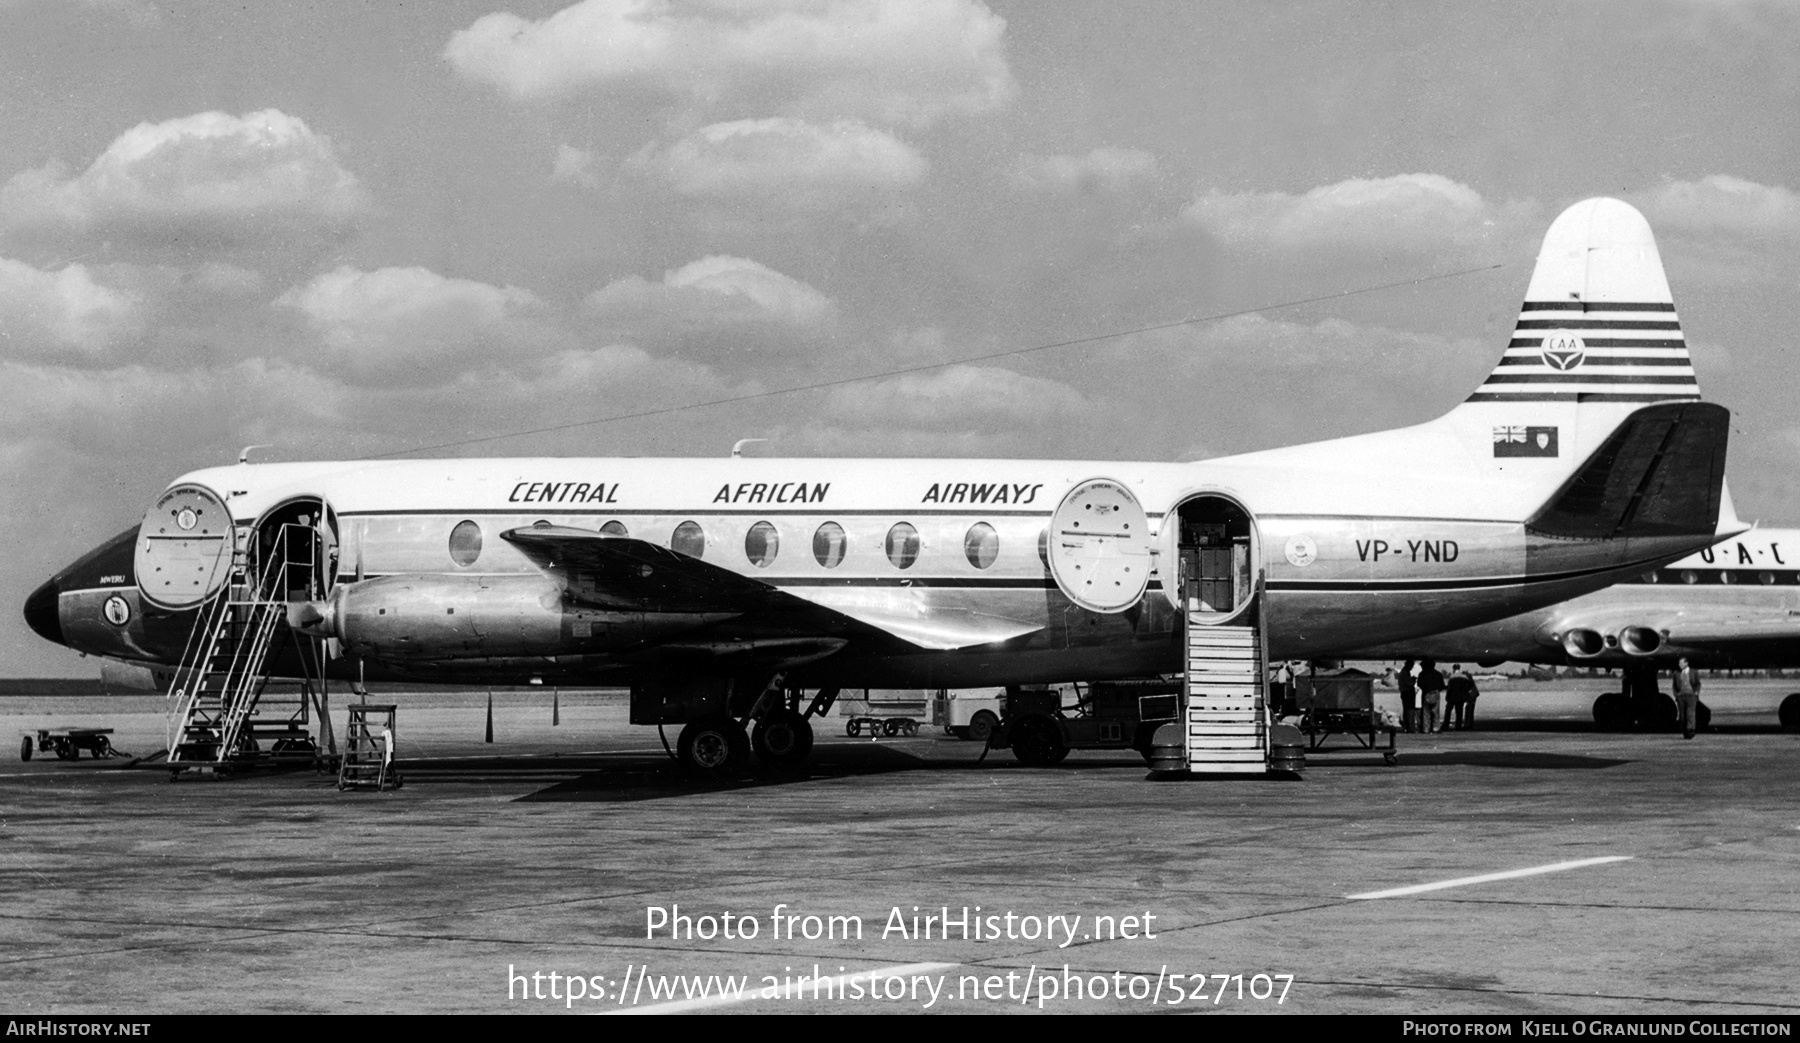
[1564, 351]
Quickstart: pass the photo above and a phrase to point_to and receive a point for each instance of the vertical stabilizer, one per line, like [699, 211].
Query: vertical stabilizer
[1598, 323]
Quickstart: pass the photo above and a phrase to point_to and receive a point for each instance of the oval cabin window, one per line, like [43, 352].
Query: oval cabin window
[689, 539]
[761, 544]
[829, 544]
[903, 545]
[615, 528]
[465, 543]
[981, 545]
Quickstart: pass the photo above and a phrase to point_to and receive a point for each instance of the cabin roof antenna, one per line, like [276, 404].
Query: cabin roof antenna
[737, 447]
[244, 456]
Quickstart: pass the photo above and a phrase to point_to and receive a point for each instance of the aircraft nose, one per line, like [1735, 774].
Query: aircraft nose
[41, 612]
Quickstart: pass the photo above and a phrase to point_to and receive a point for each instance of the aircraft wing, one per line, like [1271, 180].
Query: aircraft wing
[1722, 634]
[618, 572]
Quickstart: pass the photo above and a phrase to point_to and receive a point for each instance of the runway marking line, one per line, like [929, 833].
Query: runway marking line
[789, 991]
[1510, 874]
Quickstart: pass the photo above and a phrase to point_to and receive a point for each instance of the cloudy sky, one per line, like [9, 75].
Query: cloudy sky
[351, 229]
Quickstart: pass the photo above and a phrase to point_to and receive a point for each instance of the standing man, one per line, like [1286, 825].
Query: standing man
[1409, 695]
[1431, 695]
[1687, 695]
[1460, 693]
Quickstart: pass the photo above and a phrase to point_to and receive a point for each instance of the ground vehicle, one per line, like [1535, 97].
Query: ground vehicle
[969, 713]
[1042, 725]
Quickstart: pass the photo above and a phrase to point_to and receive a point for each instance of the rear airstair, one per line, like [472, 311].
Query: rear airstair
[1227, 692]
[229, 711]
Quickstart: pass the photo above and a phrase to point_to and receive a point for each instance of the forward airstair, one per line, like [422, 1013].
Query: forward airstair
[228, 709]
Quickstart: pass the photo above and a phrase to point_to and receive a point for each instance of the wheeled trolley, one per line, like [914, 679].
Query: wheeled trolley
[67, 743]
[1343, 705]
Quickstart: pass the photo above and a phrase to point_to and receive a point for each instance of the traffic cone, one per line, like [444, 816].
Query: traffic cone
[555, 708]
[490, 719]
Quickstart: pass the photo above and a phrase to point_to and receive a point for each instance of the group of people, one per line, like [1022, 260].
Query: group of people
[1430, 702]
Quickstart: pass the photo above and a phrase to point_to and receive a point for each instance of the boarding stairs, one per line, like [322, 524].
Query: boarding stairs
[229, 710]
[368, 761]
[1226, 686]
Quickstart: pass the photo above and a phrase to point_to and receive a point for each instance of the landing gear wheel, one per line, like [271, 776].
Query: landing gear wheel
[1038, 742]
[981, 726]
[25, 749]
[713, 746]
[782, 739]
[1612, 712]
[1789, 714]
[1656, 713]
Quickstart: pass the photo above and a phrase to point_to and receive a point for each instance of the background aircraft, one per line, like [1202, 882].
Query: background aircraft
[717, 588]
[1732, 605]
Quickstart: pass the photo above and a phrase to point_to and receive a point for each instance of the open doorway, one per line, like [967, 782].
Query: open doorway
[296, 551]
[1215, 546]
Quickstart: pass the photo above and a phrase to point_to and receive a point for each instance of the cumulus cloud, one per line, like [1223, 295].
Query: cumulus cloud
[1722, 205]
[1103, 171]
[58, 313]
[786, 162]
[713, 291]
[413, 324]
[198, 182]
[960, 398]
[1412, 212]
[909, 61]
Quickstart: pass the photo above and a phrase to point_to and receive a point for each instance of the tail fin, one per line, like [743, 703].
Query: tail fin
[1598, 324]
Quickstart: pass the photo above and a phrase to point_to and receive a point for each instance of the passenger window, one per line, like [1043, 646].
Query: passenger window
[761, 544]
[1689, 576]
[689, 539]
[465, 543]
[981, 545]
[1765, 578]
[829, 544]
[1725, 576]
[615, 528]
[903, 545]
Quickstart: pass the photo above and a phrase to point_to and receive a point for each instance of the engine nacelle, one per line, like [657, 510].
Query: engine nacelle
[1583, 642]
[416, 618]
[1640, 640]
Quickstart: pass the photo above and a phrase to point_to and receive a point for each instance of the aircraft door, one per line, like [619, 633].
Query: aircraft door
[296, 551]
[1099, 552]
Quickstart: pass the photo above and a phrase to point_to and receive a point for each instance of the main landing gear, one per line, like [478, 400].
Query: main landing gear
[780, 734]
[1642, 705]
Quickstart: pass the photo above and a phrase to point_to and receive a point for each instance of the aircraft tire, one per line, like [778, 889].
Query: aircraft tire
[1664, 714]
[1789, 714]
[981, 726]
[782, 739]
[713, 746]
[1612, 712]
[25, 748]
[1038, 742]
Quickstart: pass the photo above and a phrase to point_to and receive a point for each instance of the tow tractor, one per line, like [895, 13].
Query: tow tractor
[1041, 724]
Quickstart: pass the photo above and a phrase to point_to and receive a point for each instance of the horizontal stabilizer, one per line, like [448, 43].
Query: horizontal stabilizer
[1659, 474]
